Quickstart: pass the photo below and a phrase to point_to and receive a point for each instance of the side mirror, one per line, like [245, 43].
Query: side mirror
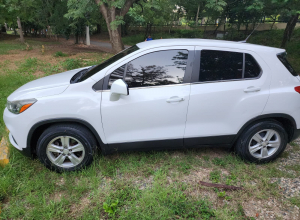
[118, 88]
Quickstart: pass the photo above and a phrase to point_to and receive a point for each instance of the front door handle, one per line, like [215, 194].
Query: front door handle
[252, 89]
[175, 99]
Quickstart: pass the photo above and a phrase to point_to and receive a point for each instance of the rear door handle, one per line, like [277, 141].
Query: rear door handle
[175, 99]
[252, 89]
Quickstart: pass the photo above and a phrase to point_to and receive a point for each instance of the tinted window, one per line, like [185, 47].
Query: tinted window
[117, 74]
[252, 69]
[157, 68]
[220, 65]
[282, 58]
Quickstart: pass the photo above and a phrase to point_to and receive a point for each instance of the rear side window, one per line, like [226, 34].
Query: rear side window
[224, 65]
[282, 58]
[252, 69]
[220, 65]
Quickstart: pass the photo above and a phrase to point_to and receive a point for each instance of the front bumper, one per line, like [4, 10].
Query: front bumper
[25, 151]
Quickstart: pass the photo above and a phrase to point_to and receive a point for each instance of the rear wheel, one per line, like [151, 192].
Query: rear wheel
[262, 142]
[66, 147]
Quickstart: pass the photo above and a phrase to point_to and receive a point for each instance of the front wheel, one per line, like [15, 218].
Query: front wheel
[66, 147]
[262, 142]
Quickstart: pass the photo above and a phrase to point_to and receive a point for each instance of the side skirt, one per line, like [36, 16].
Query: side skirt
[172, 144]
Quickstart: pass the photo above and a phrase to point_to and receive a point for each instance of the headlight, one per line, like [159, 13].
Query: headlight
[18, 107]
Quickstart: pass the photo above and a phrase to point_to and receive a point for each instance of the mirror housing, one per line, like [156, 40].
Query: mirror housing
[118, 88]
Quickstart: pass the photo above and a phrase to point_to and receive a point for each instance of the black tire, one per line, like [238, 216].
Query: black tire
[73, 130]
[242, 145]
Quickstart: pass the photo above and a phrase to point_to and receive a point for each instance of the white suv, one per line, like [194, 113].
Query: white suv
[161, 94]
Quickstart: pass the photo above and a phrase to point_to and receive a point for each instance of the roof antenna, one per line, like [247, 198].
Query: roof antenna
[245, 41]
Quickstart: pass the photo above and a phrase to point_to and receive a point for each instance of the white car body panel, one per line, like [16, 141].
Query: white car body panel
[222, 108]
[145, 114]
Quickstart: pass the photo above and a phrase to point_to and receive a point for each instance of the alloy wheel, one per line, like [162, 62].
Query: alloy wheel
[264, 143]
[65, 151]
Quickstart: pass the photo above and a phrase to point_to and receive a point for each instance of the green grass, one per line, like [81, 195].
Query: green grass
[273, 38]
[6, 46]
[295, 201]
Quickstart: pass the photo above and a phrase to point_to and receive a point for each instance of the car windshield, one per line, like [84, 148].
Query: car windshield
[111, 60]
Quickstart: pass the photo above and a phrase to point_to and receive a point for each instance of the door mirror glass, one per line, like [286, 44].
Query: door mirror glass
[118, 88]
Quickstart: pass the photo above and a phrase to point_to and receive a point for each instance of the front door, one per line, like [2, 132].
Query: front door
[156, 107]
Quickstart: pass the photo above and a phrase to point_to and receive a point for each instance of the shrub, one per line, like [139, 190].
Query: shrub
[182, 33]
[70, 64]
[60, 54]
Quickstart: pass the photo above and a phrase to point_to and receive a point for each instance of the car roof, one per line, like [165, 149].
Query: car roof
[206, 43]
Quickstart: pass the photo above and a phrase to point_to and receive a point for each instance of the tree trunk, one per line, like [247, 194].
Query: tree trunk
[25, 31]
[98, 28]
[273, 24]
[197, 15]
[20, 30]
[88, 41]
[76, 38]
[5, 27]
[49, 31]
[110, 13]
[289, 29]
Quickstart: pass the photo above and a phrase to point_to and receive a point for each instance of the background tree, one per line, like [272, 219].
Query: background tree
[113, 12]
[21, 10]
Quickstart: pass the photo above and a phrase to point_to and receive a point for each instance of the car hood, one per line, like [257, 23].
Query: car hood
[46, 86]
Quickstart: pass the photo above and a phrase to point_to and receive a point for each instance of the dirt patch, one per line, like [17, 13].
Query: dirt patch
[81, 205]
[57, 196]
[61, 182]
[270, 209]
[144, 183]
[201, 174]
[39, 74]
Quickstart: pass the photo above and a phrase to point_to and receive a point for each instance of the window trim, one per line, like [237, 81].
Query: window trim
[187, 75]
[196, 69]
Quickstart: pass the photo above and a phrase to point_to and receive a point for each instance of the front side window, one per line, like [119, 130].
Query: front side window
[157, 68]
[101, 66]
[220, 65]
[153, 69]
[117, 74]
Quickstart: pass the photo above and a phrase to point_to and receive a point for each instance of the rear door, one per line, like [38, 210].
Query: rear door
[229, 87]
[156, 107]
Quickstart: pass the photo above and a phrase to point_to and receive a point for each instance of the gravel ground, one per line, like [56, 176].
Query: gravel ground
[290, 186]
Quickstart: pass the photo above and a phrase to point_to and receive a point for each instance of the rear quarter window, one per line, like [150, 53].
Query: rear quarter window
[284, 61]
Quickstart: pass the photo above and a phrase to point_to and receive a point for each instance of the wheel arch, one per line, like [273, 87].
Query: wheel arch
[286, 120]
[38, 128]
